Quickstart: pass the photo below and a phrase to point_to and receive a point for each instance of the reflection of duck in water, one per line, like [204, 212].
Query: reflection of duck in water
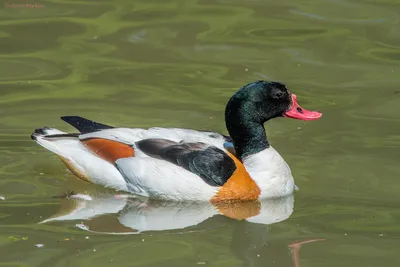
[121, 214]
[138, 215]
[187, 165]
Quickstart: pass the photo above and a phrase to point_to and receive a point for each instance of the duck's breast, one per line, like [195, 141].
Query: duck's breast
[270, 172]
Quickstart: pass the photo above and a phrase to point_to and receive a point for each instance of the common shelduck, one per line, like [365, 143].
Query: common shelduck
[182, 164]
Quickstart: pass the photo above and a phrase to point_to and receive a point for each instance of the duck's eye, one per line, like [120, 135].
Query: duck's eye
[279, 95]
[299, 109]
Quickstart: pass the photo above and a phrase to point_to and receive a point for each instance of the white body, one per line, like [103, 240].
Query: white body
[155, 178]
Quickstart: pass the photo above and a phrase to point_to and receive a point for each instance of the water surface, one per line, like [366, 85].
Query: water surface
[175, 63]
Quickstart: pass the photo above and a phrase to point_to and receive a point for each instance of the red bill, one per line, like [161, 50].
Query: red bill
[297, 112]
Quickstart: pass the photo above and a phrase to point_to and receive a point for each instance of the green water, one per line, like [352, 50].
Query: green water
[175, 63]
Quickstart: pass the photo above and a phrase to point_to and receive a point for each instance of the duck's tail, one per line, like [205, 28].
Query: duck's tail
[65, 145]
[61, 142]
[54, 140]
[78, 159]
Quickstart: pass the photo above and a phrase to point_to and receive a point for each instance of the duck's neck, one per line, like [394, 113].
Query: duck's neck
[248, 136]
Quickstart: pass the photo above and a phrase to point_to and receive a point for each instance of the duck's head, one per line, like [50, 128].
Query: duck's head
[256, 103]
[262, 100]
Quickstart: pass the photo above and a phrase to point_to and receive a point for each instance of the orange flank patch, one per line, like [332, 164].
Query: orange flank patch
[239, 187]
[109, 150]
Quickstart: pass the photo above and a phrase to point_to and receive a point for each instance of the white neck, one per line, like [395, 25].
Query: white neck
[270, 172]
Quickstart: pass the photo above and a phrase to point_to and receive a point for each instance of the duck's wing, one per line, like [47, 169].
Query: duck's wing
[92, 129]
[210, 163]
[213, 165]
[164, 169]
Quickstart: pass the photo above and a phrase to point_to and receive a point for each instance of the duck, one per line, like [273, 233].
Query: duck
[180, 164]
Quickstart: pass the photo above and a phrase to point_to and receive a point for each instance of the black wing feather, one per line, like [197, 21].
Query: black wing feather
[84, 125]
[212, 164]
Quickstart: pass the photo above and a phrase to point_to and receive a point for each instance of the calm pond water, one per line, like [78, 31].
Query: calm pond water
[175, 63]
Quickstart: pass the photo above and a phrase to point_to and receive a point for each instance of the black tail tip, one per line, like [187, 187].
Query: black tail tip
[39, 132]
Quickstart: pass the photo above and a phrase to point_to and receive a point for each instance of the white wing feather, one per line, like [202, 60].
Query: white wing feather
[130, 135]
